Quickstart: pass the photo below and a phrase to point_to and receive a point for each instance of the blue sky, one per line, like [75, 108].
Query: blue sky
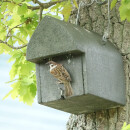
[15, 115]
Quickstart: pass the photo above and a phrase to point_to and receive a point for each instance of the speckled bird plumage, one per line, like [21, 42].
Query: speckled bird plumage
[59, 72]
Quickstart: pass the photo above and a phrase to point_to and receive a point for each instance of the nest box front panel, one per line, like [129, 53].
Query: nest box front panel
[48, 87]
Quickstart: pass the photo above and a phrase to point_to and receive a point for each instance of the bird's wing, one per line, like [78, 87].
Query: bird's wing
[65, 74]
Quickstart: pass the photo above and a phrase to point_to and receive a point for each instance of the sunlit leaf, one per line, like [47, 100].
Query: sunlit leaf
[67, 10]
[125, 10]
[22, 9]
[3, 7]
[113, 3]
[75, 3]
[14, 92]
[17, 1]
[125, 126]
[11, 6]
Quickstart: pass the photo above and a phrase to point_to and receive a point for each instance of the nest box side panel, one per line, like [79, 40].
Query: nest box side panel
[50, 88]
[105, 74]
[39, 98]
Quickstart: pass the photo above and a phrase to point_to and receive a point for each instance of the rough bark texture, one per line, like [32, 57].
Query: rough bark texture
[95, 18]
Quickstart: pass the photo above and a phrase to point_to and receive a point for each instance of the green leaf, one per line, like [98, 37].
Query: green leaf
[15, 55]
[26, 68]
[27, 90]
[22, 9]
[128, 127]
[14, 92]
[17, 1]
[113, 3]
[24, 89]
[75, 3]
[3, 33]
[125, 126]
[23, 31]
[20, 40]
[28, 0]
[3, 7]
[67, 10]
[125, 10]
[11, 6]
[10, 41]
[28, 98]
[10, 22]
[1, 49]
[16, 20]
[1, 15]
[33, 90]
[27, 81]
[4, 49]
[14, 70]
[56, 6]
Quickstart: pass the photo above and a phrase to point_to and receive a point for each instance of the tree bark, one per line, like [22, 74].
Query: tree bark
[94, 18]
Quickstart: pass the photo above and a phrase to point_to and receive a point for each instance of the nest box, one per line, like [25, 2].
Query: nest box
[96, 69]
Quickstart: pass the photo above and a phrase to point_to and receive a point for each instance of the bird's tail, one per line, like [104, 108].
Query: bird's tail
[68, 89]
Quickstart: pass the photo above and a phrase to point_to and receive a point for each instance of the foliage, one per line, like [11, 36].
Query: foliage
[22, 77]
[124, 9]
[125, 126]
[113, 3]
[18, 21]
[16, 26]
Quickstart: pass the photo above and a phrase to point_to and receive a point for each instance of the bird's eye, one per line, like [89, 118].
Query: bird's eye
[51, 65]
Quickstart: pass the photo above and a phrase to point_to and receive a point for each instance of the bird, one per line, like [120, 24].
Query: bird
[60, 73]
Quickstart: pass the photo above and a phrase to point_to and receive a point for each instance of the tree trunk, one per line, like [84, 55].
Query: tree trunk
[94, 18]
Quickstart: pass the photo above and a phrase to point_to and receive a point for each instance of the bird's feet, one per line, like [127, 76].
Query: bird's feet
[62, 93]
[59, 82]
[62, 97]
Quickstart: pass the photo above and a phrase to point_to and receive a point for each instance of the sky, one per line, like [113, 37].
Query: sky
[15, 115]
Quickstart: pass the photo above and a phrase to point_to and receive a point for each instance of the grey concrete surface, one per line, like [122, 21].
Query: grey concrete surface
[96, 68]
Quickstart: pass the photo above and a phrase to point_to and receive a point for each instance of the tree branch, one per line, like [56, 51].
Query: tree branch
[33, 7]
[11, 30]
[13, 47]
[38, 2]
[44, 5]
[41, 7]
[47, 5]
[41, 10]
[29, 7]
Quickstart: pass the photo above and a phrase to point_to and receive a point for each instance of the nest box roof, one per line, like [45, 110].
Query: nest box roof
[55, 37]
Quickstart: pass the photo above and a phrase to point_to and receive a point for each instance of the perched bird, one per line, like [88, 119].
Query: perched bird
[59, 72]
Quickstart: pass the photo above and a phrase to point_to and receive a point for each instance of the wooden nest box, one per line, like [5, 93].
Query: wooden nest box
[96, 68]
